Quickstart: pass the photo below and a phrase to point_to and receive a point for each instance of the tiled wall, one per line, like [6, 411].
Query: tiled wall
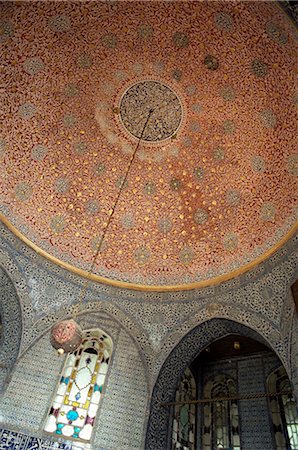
[19, 441]
[121, 418]
[29, 392]
[254, 414]
[250, 374]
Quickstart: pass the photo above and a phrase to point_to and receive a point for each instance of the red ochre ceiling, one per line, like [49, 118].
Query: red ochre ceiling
[202, 204]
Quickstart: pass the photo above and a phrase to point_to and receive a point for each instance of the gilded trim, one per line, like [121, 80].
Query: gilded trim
[144, 287]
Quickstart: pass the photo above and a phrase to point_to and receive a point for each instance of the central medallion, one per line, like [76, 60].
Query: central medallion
[139, 99]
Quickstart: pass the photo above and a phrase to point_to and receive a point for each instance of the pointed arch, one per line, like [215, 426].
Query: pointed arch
[11, 333]
[158, 434]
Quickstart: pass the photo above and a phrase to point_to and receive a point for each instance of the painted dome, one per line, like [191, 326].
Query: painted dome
[211, 189]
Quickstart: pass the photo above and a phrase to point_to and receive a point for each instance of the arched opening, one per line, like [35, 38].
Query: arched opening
[230, 401]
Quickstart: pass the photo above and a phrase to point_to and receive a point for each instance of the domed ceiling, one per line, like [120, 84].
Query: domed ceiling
[211, 189]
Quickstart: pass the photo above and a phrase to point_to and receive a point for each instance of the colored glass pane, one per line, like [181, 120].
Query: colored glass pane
[220, 417]
[72, 414]
[184, 414]
[283, 410]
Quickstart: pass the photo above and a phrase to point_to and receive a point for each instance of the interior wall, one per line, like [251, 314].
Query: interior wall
[289, 322]
[29, 392]
[156, 320]
[250, 374]
[255, 420]
[159, 430]
[11, 327]
[121, 418]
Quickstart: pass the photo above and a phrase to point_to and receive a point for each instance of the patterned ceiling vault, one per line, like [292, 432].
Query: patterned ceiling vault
[213, 184]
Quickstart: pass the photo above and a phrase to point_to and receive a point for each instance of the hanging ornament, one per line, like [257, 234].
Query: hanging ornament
[66, 336]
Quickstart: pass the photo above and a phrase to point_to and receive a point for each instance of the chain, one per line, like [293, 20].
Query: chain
[111, 213]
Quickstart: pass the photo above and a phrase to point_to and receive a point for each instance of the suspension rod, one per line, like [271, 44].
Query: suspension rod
[221, 399]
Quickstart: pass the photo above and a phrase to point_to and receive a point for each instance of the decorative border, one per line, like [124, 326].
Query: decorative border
[150, 288]
[161, 142]
[291, 10]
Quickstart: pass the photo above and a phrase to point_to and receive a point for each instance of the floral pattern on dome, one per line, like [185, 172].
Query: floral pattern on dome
[210, 190]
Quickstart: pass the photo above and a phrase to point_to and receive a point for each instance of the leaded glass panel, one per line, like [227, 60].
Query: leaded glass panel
[183, 436]
[221, 421]
[80, 388]
[283, 411]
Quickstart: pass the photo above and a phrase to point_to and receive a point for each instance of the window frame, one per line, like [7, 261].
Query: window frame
[226, 384]
[176, 410]
[88, 333]
[273, 384]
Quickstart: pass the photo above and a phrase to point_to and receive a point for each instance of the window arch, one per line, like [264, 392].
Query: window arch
[221, 418]
[77, 396]
[283, 410]
[183, 436]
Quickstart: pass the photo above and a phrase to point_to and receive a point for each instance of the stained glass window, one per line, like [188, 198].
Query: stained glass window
[80, 388]
[283, 411]
[221, 420]
[183, 436]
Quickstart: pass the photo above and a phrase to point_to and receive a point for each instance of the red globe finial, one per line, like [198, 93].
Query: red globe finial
[66, 335]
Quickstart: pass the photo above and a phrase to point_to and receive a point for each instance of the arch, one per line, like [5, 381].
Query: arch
[113, 312]
[122, 400]
[224, 311]
[89, 317]
[11, 315]
[158, 436]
